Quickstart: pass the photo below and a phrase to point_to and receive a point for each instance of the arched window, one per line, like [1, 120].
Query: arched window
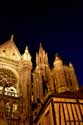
[8, 109]
[11, 91]
[11, 109]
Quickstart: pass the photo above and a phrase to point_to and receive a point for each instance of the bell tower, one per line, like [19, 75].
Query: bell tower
[41, 75]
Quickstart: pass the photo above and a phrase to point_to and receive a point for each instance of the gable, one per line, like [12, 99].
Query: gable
[9, 50]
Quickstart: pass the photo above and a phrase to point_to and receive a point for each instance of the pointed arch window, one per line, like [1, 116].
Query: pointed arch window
[8, 109]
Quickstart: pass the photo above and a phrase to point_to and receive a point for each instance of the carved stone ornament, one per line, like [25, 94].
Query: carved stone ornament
[7, 77]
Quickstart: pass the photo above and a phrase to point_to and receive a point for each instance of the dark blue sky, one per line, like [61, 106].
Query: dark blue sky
[59, 26]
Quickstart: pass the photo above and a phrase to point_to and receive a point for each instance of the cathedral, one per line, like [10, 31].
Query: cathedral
[37, 95]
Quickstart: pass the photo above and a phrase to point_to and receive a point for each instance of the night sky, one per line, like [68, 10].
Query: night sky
[59, 26]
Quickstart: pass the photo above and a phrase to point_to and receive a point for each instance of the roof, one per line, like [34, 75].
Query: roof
[68, 95]
[9, 50]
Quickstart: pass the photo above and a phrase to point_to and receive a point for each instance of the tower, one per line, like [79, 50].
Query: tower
[74, 81]
[42, 72]
[64, 105]
[64, 76]
[37, 96]
[60, 81]
[25, 67]
[15, 85]
[42, 80]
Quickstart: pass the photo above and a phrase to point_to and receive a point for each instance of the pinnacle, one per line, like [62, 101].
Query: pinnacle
[41, 45]
[57, 56]
[12, 37]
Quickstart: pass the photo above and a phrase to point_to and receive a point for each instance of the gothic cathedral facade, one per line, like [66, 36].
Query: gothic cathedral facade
[40, 95]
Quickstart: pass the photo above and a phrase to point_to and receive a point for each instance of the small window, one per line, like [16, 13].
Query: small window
[8, 109]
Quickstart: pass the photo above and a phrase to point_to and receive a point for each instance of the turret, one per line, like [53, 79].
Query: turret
[60, 81]
[57, 62]
[41, 79]
[26, 56]
[25, 85]
[73, 77]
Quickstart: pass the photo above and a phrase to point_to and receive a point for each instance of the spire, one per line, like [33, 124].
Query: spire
[46, 58]
[41, 56]
[57, 57]
[26, 55]
[37, 59]
[26, 50]
[12, 37]
[40, 45]
[41, 50]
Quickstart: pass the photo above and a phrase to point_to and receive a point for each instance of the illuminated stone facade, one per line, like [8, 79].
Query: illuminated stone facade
[42, 96]
[15, 85]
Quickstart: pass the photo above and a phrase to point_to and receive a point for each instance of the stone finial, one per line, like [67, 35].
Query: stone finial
[57, 56]
[12, 37]
[70, 64]
[40, 45]
[26, 50]
[46, 58]
[26, 55]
